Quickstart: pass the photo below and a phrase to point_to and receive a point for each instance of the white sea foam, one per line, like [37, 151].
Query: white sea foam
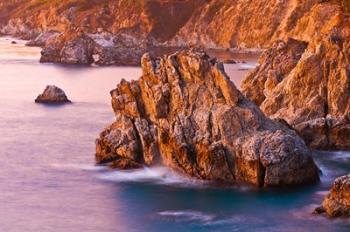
[321, 193]
[188, 216]
[247, 66]
[159, 175]
[207, 219]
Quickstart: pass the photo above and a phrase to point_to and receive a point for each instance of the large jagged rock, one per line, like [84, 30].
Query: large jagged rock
[52, 95]
[337, 202]
[308, 87]
[77, 47]
[184, 112]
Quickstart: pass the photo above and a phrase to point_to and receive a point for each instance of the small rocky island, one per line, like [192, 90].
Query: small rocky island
[185, 113]
[52, 95]
[337, 202]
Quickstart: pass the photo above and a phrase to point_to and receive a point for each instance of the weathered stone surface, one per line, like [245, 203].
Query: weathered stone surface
[211, 24]
[42, 39]
[77, 47]
[52, 95]
[185, 113]
[337, 202]
[276, 63]
[309, 88]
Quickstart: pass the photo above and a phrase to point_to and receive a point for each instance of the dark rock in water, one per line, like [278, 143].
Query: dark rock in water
[337, 202]
[308, 86]
[52, 95]
[43, 38]
[13, 42]
[77, 47]
[184, 112]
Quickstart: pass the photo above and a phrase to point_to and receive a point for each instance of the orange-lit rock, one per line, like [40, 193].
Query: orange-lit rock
[185, 113]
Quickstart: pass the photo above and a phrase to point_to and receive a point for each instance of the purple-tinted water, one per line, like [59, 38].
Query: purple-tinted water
[48, 180]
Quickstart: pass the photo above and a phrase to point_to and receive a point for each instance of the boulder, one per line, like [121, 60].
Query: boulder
[308, 86]
[337, 202]
[185, 113]
[52, 95]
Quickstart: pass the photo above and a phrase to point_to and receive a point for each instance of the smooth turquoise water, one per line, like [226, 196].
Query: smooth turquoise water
[48, 180]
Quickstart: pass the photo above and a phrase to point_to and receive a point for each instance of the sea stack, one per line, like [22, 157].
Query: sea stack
[185, 113]
[52, 95]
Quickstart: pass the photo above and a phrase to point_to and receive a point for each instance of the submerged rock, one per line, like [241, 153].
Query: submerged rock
[184, 112]
[309, 87]
[337, 202]
[52, 95]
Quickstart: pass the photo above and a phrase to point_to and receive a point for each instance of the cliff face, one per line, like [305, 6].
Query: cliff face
[215, 23]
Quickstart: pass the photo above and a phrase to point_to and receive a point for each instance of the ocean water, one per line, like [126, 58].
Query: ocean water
[48, 180]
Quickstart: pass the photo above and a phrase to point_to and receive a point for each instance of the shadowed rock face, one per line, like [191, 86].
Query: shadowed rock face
[337, 202]
[43, 38]
[185, 113]
[52, 95]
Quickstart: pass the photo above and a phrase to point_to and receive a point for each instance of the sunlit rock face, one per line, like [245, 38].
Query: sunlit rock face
[185, 113]
[308, 85]
[211, 24]
[337, 202]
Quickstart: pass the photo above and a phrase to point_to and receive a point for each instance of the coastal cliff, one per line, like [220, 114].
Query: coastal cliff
[210, 24]
[308, 84]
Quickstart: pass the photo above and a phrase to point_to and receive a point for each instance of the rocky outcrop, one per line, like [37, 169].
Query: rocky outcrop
[77, 47]
[73, 47]
[337, 202]
[275, 64]
[185, 113]
[308, 85]
[43, 38]
[52, 95]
